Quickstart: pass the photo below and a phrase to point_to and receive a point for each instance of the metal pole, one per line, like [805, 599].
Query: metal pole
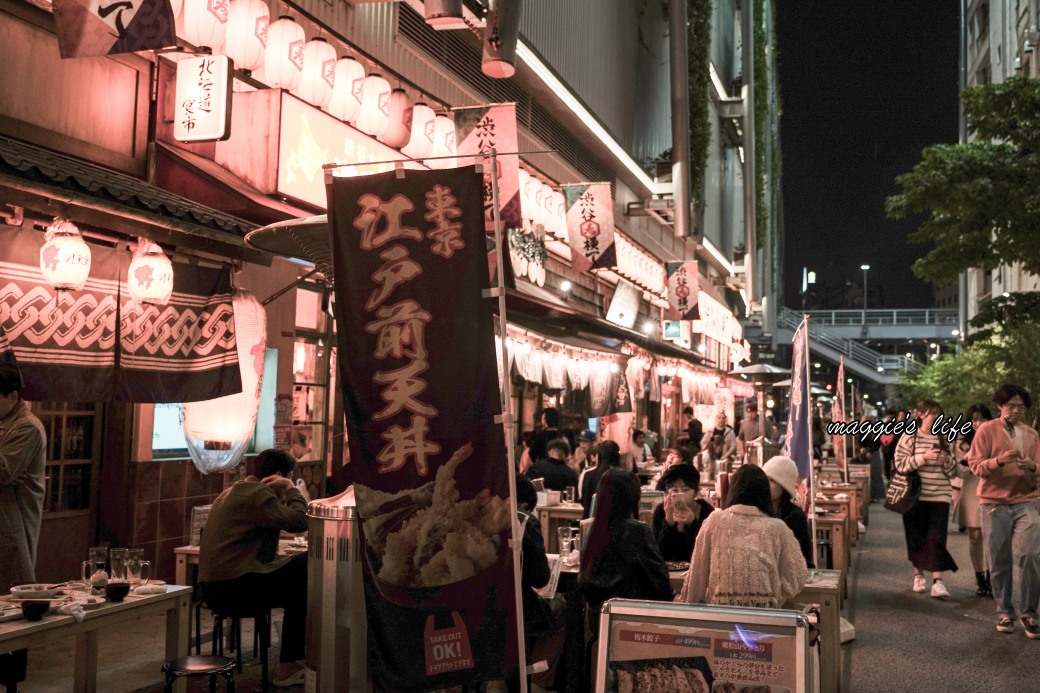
[508, 423]
[679, 61]
[747, 37]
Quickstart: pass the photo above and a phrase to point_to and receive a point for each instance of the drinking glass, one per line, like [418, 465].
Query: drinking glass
[138, 570]
[564, 537]
[93, 570]
[568, 494]
[117, 559]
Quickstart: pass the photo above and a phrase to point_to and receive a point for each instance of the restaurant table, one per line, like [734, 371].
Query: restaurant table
[822, 589]
[552, 517]
[859, 474]
[14, 635]
[189, 555]
[856, 505]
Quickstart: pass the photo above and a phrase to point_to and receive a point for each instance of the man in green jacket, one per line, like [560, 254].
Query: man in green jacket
[239, 565]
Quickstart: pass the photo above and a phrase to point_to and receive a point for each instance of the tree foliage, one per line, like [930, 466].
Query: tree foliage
[981, 200]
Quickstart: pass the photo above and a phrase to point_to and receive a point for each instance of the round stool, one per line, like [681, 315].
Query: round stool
[201, 665]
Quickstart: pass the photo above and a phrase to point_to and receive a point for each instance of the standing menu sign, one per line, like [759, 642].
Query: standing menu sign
[647, 646]
[420, 385]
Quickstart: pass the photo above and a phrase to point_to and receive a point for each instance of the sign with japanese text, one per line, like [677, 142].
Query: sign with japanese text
[590, 226]
[203, 99]
[798, 441]
[716, 320]
[418, 371]
[88, 28]
[480, 129]
[683, 288]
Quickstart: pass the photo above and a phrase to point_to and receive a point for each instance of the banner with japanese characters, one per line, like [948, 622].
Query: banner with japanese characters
[590, 226]
[683, 288]
[88, 28]
[478, 130]
[417, 365]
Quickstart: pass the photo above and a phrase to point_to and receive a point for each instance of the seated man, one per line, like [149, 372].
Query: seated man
[239, 565]
[554, 470]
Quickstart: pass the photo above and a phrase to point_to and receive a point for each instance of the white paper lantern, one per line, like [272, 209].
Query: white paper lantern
[374, 118]
[218, 431]
[559, 210]
[246, 39]
[348, 90]
[65, 257]
[552, 219]
[420, 139]
[528, 197]
[523, 178]
[283, 60]
[541, 195]
[150, 277]
[175, 5]
[443, 143]
[319, 73]
[206, 22]
[400, 127]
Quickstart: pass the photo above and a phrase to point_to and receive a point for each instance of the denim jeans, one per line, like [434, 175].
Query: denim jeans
[1012, 539]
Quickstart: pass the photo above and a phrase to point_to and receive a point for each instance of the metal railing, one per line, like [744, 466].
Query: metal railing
[902, 316]
[847, 347]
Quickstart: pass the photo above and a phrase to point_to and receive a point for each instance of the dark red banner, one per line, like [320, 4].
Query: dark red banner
[420, 382]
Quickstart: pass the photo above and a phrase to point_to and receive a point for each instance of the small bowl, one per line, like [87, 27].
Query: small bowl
[117, 591]
[34, 609]
[36, 591]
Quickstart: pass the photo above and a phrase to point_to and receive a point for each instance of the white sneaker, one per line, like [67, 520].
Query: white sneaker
[939, 590]
[918, 583]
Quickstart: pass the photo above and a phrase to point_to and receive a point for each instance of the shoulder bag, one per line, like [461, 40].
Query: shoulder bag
[904, 489]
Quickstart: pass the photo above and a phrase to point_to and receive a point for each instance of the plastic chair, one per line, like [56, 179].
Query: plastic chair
[200, 665]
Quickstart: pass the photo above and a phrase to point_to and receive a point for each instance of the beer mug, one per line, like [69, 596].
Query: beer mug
[117, 565]
[138, 570]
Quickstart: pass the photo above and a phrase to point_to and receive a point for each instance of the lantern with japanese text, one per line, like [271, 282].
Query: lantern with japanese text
[559, 210]
[552, 216]
[443, 143]
[218, 431]
[348, 89]
[206, 22]
[529, 189]
[319, 73]
[542, 196]
[283, 60]
[501, 31]
[64, 257]
[523, 178]
[246, 39]
[150, 277]
[400, 127]
[374, 118]
[420, 140]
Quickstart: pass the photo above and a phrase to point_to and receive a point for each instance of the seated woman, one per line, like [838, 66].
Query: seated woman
[621, 558]
[744, 556]
[783, 489]
[609, 454]
[678, 519]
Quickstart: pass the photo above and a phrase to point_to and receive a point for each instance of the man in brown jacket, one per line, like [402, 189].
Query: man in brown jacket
[239, 565]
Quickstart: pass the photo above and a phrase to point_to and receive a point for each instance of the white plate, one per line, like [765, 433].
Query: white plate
[89, 602]
[17, 599]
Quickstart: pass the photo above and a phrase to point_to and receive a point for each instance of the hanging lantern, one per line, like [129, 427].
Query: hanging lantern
[559, 210]
[206, 22]
[283, 60]
[175, 5]
[374, 118]
[541, 193]
[552, 219]
[319, 73]
[150, 277]
[523, 178]
[246, 39]
[349, 87]
[443, 143]
[400, 127]
[501, 31]
[218, 431]
[420, 139]
[65, 257]
[443, 12]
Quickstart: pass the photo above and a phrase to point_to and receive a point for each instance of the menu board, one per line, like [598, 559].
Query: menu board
[654, 646]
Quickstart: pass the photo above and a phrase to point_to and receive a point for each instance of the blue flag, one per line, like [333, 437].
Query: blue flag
[797, 444]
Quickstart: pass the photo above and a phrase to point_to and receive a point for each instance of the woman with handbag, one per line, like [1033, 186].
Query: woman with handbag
[926, 523]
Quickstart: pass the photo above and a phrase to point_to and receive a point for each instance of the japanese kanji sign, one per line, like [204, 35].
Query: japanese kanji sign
[683, 288]
[480, 129]
[418, 368]
[203, 99]
[88, 28]
[590, 226]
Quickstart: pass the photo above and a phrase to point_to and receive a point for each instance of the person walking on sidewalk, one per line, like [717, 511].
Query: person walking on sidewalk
[966, 507]
[926, 523]
[1005, 455]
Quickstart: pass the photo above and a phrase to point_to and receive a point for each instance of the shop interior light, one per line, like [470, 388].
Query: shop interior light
[65, 257]
[150, 276]
[565, 286]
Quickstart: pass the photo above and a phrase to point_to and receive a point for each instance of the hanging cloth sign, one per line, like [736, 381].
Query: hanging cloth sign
[683, 289]
[428, 463]
[87, 28]
[478, 130]
[590, 226]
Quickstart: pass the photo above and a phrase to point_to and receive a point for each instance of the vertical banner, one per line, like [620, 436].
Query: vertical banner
[838, 414]
[590, 226]
[417, 366]
[683, 288]
[797, 443]
[478, 130]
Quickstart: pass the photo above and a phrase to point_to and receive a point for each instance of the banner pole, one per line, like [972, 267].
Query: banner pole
[508, 424]
[808, 425]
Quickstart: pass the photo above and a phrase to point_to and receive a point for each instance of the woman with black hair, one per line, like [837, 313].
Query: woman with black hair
[966, 512]
[679, 518]
[744, 556]
[609, 454]
[782, 473]
[621, 558]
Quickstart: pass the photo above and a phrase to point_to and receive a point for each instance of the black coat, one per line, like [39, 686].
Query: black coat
[556, 474]
[676, 544]
[796, 520]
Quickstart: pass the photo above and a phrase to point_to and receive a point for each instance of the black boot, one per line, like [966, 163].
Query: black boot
[983, 589]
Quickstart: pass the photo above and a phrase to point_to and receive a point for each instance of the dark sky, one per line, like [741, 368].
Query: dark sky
[865, 86]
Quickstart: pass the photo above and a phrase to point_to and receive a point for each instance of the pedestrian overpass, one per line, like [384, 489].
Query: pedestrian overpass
[833, 335]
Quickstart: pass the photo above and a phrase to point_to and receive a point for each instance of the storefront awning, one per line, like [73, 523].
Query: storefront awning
[39, 179]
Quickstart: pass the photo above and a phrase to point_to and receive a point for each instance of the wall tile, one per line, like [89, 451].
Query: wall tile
[147, 481]
[171, 520]
[172, 484]
[146, 523]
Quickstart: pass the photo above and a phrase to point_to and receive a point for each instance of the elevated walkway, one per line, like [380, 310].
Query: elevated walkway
[900, 325]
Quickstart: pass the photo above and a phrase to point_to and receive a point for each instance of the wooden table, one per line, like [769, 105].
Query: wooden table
[552, 517]
[833, 526]
[14, 635]
[859, 474]
[189, 555]
[823, 590]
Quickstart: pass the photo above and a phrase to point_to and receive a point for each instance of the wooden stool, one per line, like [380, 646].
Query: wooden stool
[201, 665]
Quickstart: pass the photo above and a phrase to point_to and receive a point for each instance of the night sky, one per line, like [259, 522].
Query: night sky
[865, 86]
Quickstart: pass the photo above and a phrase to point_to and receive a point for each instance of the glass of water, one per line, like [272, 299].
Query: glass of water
[564, 536]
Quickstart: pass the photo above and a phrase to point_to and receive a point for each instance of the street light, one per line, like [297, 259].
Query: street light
[865, 269]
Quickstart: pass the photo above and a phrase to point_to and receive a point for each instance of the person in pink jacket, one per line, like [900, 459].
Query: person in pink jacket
[1004, 456]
